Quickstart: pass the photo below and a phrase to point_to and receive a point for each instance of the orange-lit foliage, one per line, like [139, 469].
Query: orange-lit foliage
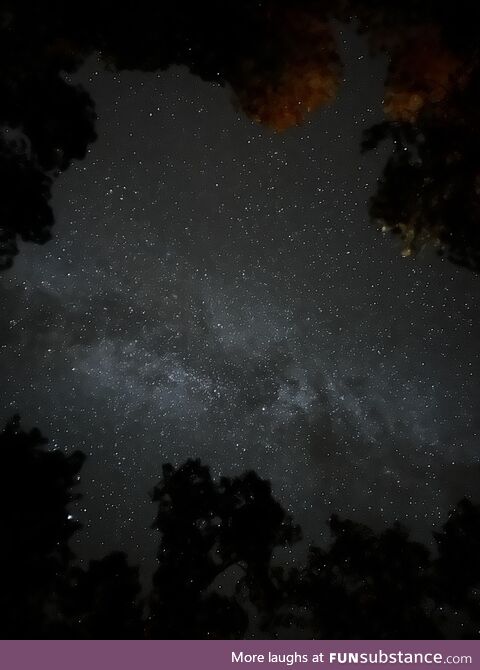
[423, 71]
[296, 71]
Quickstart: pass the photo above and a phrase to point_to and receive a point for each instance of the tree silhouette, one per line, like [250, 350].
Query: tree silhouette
[368, 585]
[457, 568]
[36, 526]
[280, 59]
[429, 193]
[217, 575]
[430, 189]
[281, 62]
[42, 594]
[292, 70]
[45, 122]
[102, 602]
[25, 212]
[209, 529]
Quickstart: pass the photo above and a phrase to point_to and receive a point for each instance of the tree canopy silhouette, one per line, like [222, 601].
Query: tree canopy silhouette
[457, 573]
[281, 62]
[209, 528]
[368, 585]
[429, 193]
[102, 602]
[36, 526]
[217, 574]
[45, 122]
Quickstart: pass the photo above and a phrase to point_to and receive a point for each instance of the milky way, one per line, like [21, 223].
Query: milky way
[217, 291]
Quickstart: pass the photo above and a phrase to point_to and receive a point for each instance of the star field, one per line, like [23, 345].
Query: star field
[214, 290]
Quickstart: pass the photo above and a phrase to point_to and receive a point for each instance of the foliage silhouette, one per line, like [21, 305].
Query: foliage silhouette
[281, 62]
[430, 189]
[102, 602]
[35, 526]
[457, 573]
[217, 575]
[46, 122]
[24, 204]
[429, 193]
[207, 529]
[368, 586]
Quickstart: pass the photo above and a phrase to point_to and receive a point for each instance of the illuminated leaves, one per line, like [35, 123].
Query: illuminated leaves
[423, 71]
[296, 71]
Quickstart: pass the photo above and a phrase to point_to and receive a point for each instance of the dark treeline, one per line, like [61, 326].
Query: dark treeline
[281, 62]
[216, 574]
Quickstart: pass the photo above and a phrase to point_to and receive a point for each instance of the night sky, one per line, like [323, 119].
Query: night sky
[217, 290]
